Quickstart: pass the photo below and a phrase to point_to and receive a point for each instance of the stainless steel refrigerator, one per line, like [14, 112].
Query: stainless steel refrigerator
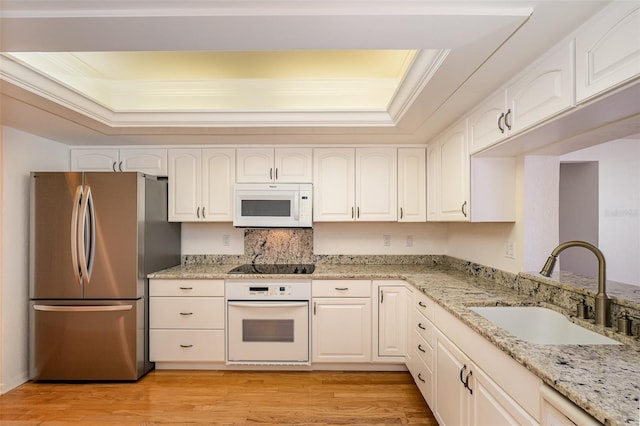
[94, 238]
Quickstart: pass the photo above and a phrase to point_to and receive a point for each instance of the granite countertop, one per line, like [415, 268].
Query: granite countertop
[604, 380]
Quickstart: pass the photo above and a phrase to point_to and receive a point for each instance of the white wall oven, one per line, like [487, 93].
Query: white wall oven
[268, 322]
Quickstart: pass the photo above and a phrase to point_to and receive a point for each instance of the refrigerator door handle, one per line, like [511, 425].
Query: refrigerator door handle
[86, 235]
[82, 308]
[74, 235]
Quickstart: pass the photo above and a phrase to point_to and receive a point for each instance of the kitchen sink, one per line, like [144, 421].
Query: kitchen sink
[540, 325]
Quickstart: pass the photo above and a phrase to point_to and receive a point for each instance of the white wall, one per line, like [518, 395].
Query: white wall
[619, 205]
[328, 238]
[22, 153]
[369, 238]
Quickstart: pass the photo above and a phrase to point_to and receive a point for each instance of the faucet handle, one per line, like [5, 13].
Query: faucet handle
[582, 309]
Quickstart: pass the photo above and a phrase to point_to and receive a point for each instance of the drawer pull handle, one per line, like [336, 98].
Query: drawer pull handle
[422, 305]
[462, 370]
[186, 313]
[421, 379]
[466, 382]
[186, 346]
[421, 349]
[342, 288]
[422, 327]
[186, 288]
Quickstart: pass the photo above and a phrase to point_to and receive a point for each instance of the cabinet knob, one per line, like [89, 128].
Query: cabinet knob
[422, 327]
[421, 379]
[500, 126]
[186, 346]
[401, 213]
[506, 119]
[421, 349]
[462, 209]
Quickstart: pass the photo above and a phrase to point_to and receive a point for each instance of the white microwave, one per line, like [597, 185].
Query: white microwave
[267, 205]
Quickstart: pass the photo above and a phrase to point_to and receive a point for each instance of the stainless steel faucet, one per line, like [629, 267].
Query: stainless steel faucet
[603, 303]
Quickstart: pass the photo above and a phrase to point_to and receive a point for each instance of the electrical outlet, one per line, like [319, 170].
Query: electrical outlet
[386, 240]
[409, 240]
[226, 240]
[510, 250]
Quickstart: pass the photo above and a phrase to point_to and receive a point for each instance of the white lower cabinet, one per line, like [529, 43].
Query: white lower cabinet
[392, 320]
[421, 331]
[341, 321]
[464, 394]
[186, 320]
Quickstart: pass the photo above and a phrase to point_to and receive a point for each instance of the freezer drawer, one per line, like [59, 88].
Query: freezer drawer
[76, 340]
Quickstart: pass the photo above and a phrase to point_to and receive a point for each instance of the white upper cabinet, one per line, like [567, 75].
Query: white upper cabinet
[608, 49]
[152, 161]
[452, 183]
[283, 165]
[543, 90]
[218, 171]
[376, 184]
[201, 184]
[412, 185]
[461, 188]
[333, 184]
[355, 184]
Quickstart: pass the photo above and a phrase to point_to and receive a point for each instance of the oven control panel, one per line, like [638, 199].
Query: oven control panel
[267, 289]
[270, 290]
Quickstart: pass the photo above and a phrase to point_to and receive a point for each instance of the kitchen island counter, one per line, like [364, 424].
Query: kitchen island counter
[604, 380]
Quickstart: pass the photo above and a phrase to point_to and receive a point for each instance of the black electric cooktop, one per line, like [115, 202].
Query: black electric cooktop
[267, 268]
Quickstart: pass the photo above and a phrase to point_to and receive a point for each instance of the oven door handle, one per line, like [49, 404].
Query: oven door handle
[269, 304]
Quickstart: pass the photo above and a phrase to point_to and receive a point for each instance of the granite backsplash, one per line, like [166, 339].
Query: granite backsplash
[564, 289]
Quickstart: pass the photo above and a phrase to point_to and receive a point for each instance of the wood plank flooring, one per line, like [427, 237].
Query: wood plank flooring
[224, 398]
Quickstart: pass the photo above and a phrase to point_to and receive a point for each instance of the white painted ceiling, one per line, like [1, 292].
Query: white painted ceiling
[261, 71]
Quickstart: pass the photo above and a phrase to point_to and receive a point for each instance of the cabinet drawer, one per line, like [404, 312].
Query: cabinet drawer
[341, 288]
[423, 377]
[423, 327]
[424, 350]
[186, 312]
[424, 305]
[160, 287]
[186, 345]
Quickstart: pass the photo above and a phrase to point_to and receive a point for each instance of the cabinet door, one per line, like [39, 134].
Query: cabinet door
[608, 49]
[185, 184]
[490, 405]
[543, 91]
[454, 175]
[451, 404]
[392, 321]
[486, 123]
[218, 173]
[293, 165]
[254, 165]
[334, 184]
[433, 167]
[94, 160]
[150, 161]
[341, 329]
[376, 184]
[412, 185]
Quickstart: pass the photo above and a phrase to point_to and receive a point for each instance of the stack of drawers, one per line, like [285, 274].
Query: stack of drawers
[423, 342]
[186, 320]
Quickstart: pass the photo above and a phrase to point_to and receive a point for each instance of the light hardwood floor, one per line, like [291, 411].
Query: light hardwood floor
[224, 398]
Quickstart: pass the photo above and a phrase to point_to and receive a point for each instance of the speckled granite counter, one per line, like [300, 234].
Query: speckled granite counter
[602, 379]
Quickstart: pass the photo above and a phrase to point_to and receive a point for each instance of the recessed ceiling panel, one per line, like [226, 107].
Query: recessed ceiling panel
[288, 80]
